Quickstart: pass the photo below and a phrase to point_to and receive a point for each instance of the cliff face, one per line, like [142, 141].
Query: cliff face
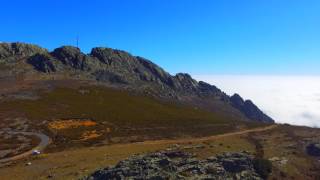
[248, 108]
[120, 68]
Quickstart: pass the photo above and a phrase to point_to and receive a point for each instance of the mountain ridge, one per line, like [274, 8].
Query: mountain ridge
[120, 68]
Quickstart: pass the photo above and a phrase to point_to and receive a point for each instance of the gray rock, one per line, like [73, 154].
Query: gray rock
[45, 63]
[70, 56]
[313, 149]
[12, 52]
[180, 165]
[249, 109]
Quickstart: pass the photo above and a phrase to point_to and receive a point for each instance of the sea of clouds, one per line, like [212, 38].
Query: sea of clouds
[287, 99]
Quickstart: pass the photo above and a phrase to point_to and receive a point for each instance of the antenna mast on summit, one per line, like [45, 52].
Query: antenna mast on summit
[77, 41]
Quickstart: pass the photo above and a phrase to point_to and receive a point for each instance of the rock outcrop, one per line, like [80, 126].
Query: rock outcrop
[313, 149]
[118, 67]
[11, 52]
[45, 63]
[249, 109]
[181, 165]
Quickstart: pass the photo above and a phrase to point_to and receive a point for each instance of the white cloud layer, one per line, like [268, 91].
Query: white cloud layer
[287, 99]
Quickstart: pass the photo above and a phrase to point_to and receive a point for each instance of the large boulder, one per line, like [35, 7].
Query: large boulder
[313, 149]
[236, 162]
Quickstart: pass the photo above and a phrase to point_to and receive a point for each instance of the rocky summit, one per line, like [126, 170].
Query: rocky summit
[123, 70]
[181, 165]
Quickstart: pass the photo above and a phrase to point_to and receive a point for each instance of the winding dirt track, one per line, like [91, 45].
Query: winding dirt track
[44, 142]
[209, 137]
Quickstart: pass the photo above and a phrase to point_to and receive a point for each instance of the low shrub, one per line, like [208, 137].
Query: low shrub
[263, 167]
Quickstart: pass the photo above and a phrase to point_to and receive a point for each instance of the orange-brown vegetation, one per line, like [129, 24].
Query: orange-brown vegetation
[71, 123]
[90, 135]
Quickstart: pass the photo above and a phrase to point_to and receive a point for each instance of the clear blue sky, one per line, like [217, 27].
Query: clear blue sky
[198, 37]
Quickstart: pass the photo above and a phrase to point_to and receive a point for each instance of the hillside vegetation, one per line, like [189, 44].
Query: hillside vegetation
[95, 114]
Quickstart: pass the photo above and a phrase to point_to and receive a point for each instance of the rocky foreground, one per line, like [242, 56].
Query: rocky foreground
[181, 165]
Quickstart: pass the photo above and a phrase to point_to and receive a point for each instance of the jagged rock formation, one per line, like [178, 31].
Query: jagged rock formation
[181, 165]
[120, 68]
[11, 52]
[248, 108]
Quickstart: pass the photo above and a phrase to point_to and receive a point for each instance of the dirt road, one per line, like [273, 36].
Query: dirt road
[209, 137]
[44, 142]
[77, 163]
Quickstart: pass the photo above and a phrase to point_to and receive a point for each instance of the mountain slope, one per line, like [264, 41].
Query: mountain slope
[121, 69]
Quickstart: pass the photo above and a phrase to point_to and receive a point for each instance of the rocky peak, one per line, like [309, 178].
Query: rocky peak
[69, 55]
[184, 77]
[154, 69]
[103, 54]
[109, 56]
[206, 87]
[66, 51]
[237, 100]
[185, 81]
[249, 109]
[11, 50]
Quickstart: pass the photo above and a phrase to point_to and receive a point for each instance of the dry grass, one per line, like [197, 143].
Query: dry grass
[287, 143]
[74, 164]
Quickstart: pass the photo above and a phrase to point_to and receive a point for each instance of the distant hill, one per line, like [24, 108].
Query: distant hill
[122, 70]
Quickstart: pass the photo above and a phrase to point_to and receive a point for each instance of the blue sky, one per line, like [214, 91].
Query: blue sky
[199, 37]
